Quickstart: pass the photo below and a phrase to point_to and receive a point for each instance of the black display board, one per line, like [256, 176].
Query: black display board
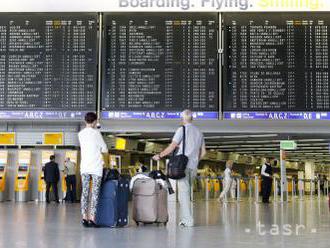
[276, 62]
[160, 62]
[48, 65]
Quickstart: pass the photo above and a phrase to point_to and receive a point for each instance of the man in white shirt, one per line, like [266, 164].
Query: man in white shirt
[194, 150]
[92, 146]
[267, 179]
[70, 179]
[227, 180]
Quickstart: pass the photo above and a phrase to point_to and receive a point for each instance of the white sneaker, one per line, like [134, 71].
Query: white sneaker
[189, 224]
[183, 224]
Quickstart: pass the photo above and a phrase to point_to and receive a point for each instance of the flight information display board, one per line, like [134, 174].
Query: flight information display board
[276, 66]
[48, 65]
[156, 65]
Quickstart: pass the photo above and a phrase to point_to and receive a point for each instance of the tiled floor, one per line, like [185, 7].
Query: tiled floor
[231, 225]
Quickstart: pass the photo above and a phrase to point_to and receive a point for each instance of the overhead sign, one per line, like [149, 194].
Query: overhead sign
[7, 139]
[120, 144]
[288, 145]
[53, 139]
[164, 5]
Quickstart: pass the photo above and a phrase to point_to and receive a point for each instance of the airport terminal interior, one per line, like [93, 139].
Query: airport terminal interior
[258, 88]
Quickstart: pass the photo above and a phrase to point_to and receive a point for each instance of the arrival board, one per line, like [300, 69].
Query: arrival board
[276, 65]
[48, 66]
[156, 65]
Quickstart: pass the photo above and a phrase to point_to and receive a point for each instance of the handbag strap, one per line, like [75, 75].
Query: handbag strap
[183, 140]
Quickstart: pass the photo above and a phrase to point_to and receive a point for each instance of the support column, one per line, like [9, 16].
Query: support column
[309, 175]
[284, 183]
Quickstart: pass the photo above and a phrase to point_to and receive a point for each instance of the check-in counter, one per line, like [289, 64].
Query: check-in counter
[3, 168]
[22, 179]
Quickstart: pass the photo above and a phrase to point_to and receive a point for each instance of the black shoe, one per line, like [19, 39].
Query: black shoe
[92, 224]
[57, 201]
[85, 223]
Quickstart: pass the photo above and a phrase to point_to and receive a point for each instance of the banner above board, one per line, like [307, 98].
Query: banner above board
[163, 5]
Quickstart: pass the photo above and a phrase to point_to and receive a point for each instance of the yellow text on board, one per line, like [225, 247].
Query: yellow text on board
[7, 138]
[53, 139]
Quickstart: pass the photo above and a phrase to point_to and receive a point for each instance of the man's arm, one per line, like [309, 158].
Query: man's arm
[102, 144]
[263, 171]
[57, 173]
[202, 152]
[168, 150]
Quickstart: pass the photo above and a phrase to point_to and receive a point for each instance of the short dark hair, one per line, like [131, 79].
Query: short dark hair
[90, 117]
[144, 168]
[52, 157]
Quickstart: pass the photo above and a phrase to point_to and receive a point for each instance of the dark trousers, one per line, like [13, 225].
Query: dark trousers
[71, 188]
[55, 191]
[266, 188]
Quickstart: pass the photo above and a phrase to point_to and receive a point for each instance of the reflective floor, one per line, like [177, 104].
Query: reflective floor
[245, 224]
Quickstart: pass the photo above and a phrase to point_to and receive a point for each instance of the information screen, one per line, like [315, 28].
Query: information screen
[156, 65]
[276, 66]
[48, 66]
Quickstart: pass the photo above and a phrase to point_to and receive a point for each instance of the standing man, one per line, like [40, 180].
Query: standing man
[267, 180]
[227, 180]
[92, 146]
[70, 173]
[51, 177]
[194, 150]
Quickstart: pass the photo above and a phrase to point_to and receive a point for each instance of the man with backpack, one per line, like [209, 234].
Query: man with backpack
[194, 150]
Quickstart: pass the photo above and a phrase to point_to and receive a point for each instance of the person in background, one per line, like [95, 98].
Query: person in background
[267, 180]
[92, 146]
[70, 173]
[227, 180]
[51, 177]
[194, 150]
[322, 184]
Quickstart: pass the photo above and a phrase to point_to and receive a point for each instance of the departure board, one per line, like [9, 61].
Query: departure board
[48, 65]
[276, 66]
[156, 65]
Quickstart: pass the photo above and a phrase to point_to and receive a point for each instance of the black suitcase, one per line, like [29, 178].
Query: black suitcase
[122, 201]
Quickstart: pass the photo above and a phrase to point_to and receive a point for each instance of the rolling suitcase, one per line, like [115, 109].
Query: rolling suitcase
[107, 209]
[149, 202]
[122, 201]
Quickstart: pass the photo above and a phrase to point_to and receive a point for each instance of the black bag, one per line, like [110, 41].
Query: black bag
[158, 174]
[178, 163]
[110, 174]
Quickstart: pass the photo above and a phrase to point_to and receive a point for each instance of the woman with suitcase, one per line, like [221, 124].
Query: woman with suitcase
[91, 167]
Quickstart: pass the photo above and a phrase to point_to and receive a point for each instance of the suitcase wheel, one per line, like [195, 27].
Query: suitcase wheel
[137, 223]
